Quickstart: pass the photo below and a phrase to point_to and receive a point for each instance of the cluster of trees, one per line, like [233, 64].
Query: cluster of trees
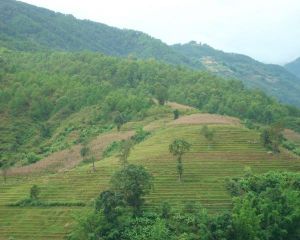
[264, 207]
[39, 91]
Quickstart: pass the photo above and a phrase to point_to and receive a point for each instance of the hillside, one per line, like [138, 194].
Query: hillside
[272, 79]
[29, 28]
[51, 101]
[206, 167]
[294, 67]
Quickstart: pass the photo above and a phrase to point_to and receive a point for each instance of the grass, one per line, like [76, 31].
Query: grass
[206, 167]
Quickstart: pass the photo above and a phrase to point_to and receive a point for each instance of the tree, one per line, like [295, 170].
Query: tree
[178, 147]
[176, 114]
[207, 133]
[85, 151]
[4, 169]
[125, 151]
[271, 137]
[119, 120]
[161, 93]
[132, 182]
[109, 202]
[34, 192]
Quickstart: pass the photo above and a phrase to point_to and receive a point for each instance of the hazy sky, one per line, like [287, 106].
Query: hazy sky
[268, 30]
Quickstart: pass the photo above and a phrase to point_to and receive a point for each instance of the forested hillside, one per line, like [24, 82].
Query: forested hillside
[51, 100]
[272, 79]
[294, 67]
[29, 28]
[26, 27]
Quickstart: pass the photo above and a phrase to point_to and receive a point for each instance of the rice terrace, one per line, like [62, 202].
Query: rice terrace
[108, 133]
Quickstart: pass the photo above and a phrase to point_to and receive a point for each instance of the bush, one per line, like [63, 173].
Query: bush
[112, 148]
[140, 136]
[32, 158]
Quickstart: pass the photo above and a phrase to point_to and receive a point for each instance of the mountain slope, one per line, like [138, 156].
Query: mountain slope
[294, 67]
[273, 79]
[29, 28]
[206, 167]
[26, 27]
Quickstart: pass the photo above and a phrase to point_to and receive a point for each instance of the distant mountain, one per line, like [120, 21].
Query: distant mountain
[294, 67]
[273, 79]
[29, 28]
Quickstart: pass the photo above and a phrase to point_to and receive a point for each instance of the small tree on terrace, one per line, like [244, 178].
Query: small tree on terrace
[4, 167]
[34, 192]
[125, 151]
[208, 133]
[179, 147]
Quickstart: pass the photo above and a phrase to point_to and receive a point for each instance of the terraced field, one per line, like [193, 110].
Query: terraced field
[205, 168]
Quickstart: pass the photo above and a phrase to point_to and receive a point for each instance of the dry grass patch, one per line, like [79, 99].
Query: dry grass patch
[206, 118]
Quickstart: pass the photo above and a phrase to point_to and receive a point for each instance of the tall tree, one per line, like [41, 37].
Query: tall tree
[161, 93]
[178, 147]
[133, 182]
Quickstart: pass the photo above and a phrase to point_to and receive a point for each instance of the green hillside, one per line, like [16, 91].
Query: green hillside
[207, 165]
[294, 67]
[53, 100]
[272, 79]
[29, 28]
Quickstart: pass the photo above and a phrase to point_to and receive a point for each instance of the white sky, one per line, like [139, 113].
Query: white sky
[267, 30]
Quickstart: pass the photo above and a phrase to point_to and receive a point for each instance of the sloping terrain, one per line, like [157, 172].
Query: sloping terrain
[294, 67]
[29, 28]
[206, 166]
[26, 27]
[272, 79]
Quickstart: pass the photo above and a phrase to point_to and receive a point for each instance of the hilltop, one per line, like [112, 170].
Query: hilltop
[273, 79]
[294, 67]
[28, 28]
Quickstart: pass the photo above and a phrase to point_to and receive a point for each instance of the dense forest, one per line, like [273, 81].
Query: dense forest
[28, 28]
[40, 91]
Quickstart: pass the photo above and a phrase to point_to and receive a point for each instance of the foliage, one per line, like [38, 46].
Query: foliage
[267, 208]
[133, 183]
[34, 192]
[125, 150]
[161, 93]
[112, 148]
[176, 114]
[271, 137]
[84, 94]
[291, 147]
[178, 147]
[208, 133]
[140, 135]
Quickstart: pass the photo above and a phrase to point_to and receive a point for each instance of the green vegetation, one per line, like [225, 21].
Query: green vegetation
[62, 113]
[267, 77]
[179, 147]
[205, 171]
[28, 28]
[267, 208]
[50, 101]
